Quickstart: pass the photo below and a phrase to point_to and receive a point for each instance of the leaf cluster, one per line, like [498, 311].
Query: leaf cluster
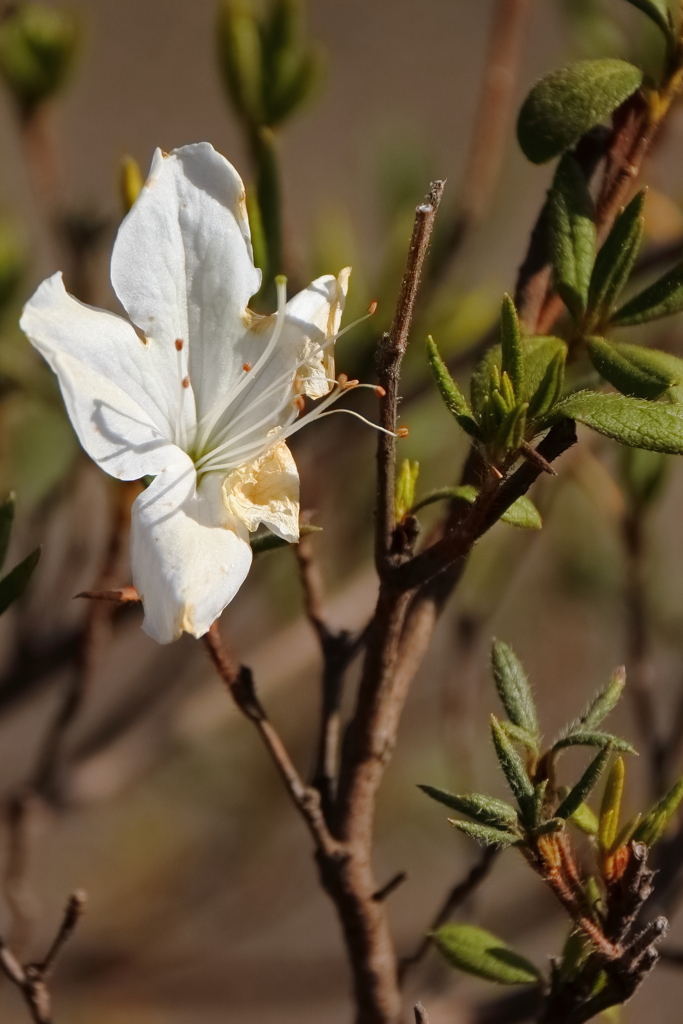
[37, 49]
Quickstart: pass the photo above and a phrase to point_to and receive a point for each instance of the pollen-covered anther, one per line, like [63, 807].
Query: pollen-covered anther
[300, 402]
[246, 367]
[402, 432]
[380, 391]
[186, 382]
[179, 344]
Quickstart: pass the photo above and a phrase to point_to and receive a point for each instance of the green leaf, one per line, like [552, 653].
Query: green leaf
[631, 369]
[549, 827]
[594, 739]
[513, 688]
[406, 482]
[486, 376]
[514, 771]
[611, 804]
[626, 834]
[586, 819]
[270, 542]
[487, 810]
[485, 834]
[476, 951]
[632, 421]
[604, 703]
[549, 390]
[615, 259]
[15, 582]
[37, 49]
[241, 59]
[654, 824]
[521, 736]
[657, 11]
[573, 234]
[539, 799]
[663, 298]
[522, 513]
[511, 345]
[6, 520]
[576, 796]
[453, 398]
[568, 102]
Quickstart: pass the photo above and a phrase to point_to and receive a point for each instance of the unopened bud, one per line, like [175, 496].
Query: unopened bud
[130, 182]
[37, 47]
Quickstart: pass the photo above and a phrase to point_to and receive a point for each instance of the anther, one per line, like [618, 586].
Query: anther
[351, 384]
[179, 344]
[186, 382]
[372, 308]
[341, 380]
[402, 432]
[246, 367]
[379, 390]
[300, 403]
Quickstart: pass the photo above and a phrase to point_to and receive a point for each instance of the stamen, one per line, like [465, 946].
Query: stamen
[375, 426]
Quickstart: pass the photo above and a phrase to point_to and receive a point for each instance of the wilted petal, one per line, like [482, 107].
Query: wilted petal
[113, 395]
[266, 491]
[182, 265]
[189, 556]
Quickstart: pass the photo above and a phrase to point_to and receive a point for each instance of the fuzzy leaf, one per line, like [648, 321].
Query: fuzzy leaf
[576, 796]
[549, 827]
[485, 834]
[663, 298]
[611, 804]
[513, 688]
[476, 951]
[626, 834]
[565, 104]
[634, 370]
[616, 257]
[604, 703]
[511, 345]
[579, 738]
[586, 819]
[654, 824]
[6, 520]
[514, 771]
[572, 234]
[453, 398]
[657, 11]
[487, 810]
[15, 582]
[522, 513]
[550, 388]
[539, 799]
[520, 736]
[632, 421]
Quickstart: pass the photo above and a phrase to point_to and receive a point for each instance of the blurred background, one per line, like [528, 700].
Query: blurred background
[124, 769]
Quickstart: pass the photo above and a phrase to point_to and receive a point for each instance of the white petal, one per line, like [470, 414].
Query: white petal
[266, 491]
[189, 556]
[111, 393]
[316, 312]
[182, 265]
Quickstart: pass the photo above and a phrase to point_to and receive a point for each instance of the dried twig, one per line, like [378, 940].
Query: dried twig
[421, 1016]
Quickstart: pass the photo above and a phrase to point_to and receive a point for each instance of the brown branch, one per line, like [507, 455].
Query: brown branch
[460, 892]
[421, 1016]
[390, 355]
[31, 978]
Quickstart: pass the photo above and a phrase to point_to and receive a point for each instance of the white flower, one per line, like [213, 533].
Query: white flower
[194, 389]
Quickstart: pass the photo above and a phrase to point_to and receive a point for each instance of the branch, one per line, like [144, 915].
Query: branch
[31, 979]
[390, 355]
[455, 898]
[421, 1016]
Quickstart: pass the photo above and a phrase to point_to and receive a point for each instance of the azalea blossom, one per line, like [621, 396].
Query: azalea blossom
[192, 388]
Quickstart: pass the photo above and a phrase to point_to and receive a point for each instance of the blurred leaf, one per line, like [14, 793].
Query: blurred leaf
[604, 703]
[258, 239]
[476, 951]
[511, 345]
[37, 49]
[632, 421]
[631, 369]
[485, 834]
[573, 234]
[642, 474]
[565, 104]
[522, 513]
[616, 257]
[452, 396]
[657, 11]
[15, 582]
[130, 182]
[663, 298]
[12, 263]
[6, 520]
[513, 688]
[514, 771]
[655, 822]
[576, 796]
[487, 810]
[611, 804]
[594, 739]
[240, 58]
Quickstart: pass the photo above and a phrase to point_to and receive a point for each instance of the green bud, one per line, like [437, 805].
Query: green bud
[611, 804]
[406, 482]
[654, 824]
[37, 49]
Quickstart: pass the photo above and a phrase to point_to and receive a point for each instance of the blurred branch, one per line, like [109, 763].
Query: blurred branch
[460, 892]
[31, 979]
[421, 1016]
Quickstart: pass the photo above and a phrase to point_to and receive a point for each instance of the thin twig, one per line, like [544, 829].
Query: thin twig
[460, 892]
[421, 1016]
